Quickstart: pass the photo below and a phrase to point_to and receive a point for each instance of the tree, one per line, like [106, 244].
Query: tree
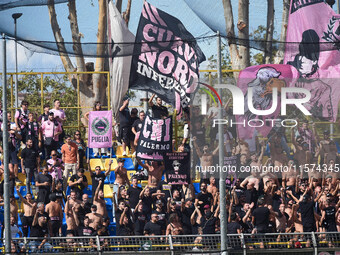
[55, 87]
[284, 23]
[239, 49]
[240, 56]
[92, 87]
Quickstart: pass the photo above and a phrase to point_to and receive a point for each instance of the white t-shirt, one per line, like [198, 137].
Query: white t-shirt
[14, 231]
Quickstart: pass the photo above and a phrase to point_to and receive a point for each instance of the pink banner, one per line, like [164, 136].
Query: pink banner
[100, 129]
[261, 80]
[312, 46]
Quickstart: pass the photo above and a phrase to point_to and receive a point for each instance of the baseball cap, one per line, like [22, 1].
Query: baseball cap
[206, 207]
[121, 160]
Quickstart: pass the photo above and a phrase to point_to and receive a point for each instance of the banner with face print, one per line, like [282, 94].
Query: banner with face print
[177, 167]
[100, 129]
[313, 48]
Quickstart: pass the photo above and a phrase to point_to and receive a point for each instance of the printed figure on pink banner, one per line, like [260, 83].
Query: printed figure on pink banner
[262, 80]
[306, 62]
[266, 79]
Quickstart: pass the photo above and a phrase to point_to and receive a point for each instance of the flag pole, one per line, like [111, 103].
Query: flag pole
[5, 148]
[222, 186]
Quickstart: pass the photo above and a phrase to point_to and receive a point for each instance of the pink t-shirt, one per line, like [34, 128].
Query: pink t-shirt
[47, 129]
[56, 172]
[59, 113]
[22, 116]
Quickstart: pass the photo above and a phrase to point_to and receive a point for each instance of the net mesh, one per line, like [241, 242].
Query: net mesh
[202, 18]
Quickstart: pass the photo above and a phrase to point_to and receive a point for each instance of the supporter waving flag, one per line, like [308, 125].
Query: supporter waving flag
[165, 58]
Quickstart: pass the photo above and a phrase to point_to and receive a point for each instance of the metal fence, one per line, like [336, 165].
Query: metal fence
[285, 243]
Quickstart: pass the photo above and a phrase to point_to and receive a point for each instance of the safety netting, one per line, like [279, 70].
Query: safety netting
[202, 18]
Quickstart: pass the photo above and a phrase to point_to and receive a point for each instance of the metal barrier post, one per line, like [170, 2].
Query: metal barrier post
[244, 247]
[98, 245]
[78, 102]
[176, 127]
[42, 92]
[11, 80]
[315, 245]
[171, 244]
[108, 92]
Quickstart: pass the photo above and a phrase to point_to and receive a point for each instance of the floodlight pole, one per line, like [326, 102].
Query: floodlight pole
[16, 16]
[5, 149]
[222, 186]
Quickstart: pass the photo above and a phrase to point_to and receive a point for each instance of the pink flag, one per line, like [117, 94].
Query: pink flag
[261, 80]
[312, 46]
[100, 129]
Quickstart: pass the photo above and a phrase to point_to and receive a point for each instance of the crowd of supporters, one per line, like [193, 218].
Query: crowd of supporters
[299, 199]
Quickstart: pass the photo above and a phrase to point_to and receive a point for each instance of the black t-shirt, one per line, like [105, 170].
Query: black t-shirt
[133, 194]
[147, 205]
[232, 227]
[186, 215]
[152, 228]
[124, 118]
[208, 225]
[125, 230]
[95, 181]
[261, 215]
[205, 198]
[159, 111]
[140, 221]
[307, 215]
[44, 191]
[30, 157]
[137, 125]
[251, 196]
[133, 119]
[86, 231]
[162, 217]
[165, 188]
[39, 231]
[79, 187]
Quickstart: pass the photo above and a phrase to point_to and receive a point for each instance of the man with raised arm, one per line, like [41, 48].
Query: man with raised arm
[155, 172]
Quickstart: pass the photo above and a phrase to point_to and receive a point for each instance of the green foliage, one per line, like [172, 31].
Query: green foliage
[54, 87]
[259, 35]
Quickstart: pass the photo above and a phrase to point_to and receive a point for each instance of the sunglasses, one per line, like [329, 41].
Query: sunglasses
[98, 169]
[77, 134]
[53, 155]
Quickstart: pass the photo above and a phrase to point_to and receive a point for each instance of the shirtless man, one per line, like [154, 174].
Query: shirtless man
[72, 199]
[328, 150]
[155, 171]
[206, 157]
[212, 188]
[96, 219]
[14, 209]
[243, 148]
[301, 152]
[289, 178]
[276, 151]
[255, 166]
[55, 213]
[72, 221]
[99, 201]
[29, 210]
[121, 174]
